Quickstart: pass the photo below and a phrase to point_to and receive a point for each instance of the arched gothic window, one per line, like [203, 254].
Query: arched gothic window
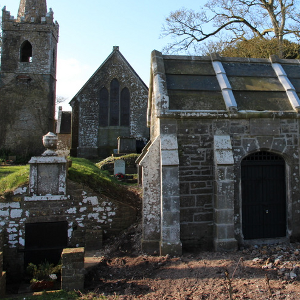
[114, 102]
[114, 107]
[103, 107]
[26, 52]
[125, 107]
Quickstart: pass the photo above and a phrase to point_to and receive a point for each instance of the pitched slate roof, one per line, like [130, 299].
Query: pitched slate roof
[203, 83]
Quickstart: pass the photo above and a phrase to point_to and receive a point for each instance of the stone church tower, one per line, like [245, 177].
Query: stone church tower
[27, 77]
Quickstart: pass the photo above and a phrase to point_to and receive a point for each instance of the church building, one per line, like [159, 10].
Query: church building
[111, 104]
[27, 77]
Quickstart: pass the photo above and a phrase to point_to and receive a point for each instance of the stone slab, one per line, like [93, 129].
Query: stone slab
[193, 83]
[196, 100]
[119, 166]
[191, 67]
[126, 145]
[248, 69]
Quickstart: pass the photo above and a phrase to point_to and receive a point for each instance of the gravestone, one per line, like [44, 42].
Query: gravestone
[126, 145]
[119, 166]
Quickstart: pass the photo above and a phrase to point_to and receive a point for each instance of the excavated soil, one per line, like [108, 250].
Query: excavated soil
[257, 272]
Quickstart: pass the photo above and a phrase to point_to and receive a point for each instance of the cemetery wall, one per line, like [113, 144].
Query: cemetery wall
[88, 214]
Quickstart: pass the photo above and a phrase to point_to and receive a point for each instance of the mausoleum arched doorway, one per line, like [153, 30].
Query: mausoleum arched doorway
[263, 182]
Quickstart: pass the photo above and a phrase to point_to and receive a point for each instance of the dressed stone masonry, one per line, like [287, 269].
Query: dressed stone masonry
[220, 127]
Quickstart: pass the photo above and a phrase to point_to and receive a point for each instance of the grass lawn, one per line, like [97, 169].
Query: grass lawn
[6, 170]
[83, 171]
[12, 177]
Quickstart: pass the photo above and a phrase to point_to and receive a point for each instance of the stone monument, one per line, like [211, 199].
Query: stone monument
[48, 173]
[119, 166]
[126, 145]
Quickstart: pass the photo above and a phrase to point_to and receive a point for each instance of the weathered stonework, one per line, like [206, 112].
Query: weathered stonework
[72, 271]
[219, 113]
[97, 109]
[86, 213]
[27, 78]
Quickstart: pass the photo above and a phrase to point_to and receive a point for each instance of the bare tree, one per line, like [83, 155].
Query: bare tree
[239, 19]
[60, 99]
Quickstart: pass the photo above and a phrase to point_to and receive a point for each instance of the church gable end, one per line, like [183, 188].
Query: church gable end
[112, 103]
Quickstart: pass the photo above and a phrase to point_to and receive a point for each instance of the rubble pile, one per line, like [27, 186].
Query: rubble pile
[281, 258]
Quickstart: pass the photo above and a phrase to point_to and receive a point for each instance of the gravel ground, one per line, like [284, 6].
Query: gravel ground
[257, 272]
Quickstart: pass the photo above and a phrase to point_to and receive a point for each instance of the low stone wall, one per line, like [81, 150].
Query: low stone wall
[72, 271]
[90, 217]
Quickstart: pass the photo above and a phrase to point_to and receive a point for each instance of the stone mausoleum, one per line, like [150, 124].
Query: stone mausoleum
[111, 104]
[222, 166]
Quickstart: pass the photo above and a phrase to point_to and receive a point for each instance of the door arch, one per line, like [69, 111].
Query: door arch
[263, 196]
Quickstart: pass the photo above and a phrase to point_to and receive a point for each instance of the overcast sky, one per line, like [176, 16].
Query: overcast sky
[89, 29]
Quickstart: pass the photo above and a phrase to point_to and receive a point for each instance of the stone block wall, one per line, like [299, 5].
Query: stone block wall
[27, 89]
[195, 143]
[86, 213]
[30, 116]
[72, 271]
[197, 171]
[281, 137]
